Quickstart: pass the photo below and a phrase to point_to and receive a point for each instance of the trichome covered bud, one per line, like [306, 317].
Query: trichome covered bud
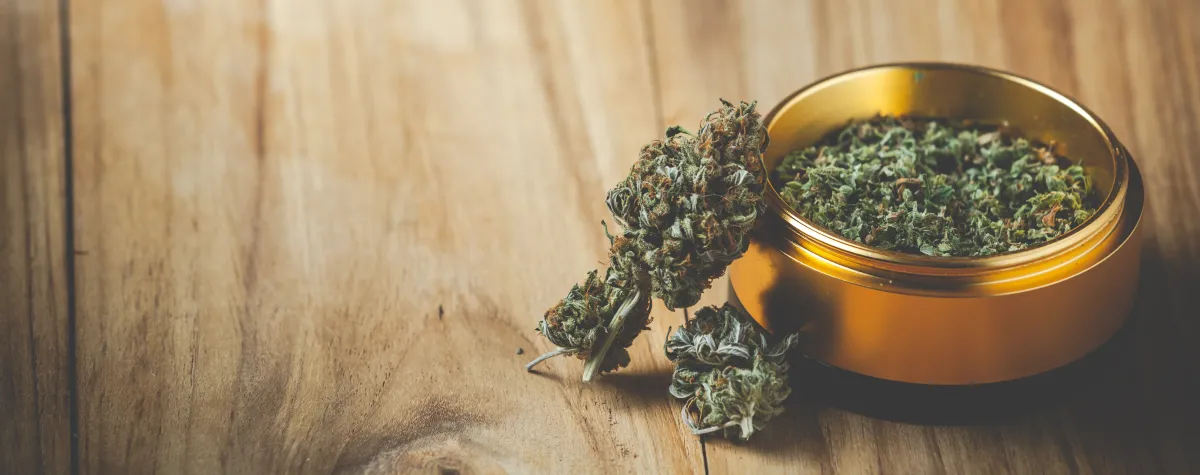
[686, 210]
[732, 376]
[597, 321]
[690, 201]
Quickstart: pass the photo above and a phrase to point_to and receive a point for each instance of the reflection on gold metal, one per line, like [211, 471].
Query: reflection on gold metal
[939, 320]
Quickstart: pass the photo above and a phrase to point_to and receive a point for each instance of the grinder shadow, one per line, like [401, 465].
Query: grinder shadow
[1136, 389]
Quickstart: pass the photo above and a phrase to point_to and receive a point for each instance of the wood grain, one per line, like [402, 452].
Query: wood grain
[318, 233]
[34, 386]
[312, 236]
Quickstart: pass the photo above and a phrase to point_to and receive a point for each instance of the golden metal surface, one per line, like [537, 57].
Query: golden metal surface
[937, 320]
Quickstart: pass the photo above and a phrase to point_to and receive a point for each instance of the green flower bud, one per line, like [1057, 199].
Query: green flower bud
[733, 378]
[690, 201]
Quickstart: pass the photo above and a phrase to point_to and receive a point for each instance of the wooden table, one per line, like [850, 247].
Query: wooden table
[311, 236]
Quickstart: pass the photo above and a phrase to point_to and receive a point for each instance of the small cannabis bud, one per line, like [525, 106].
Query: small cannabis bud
[936, 188]
[598, 319]
[732, 377]
[685, 210]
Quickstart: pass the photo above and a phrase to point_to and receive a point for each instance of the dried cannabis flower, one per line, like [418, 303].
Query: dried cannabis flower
[732, 377]
[936, 188]
[686, 210]
[598, 321]
[690, 201]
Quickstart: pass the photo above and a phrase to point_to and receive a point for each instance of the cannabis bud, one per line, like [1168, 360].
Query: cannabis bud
[733, 378]
[686, 210]
[599, 320]
[690, 201]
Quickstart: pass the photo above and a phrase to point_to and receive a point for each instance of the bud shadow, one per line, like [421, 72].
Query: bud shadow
[641, 388]
[549, 375]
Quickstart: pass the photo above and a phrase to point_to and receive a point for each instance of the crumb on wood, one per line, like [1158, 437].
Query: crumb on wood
[520, 351]
[440, 311]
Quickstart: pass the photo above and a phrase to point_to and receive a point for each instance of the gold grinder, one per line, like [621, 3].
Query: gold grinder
[945, 320]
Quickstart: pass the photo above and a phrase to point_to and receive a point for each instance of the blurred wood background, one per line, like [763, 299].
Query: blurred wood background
[304, 236]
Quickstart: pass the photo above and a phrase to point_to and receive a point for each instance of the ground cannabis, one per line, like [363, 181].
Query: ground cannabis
[935, 187]
[685, 212]
[733, 378]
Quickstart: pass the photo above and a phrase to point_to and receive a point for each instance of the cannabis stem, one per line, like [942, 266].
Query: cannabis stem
[592, 365]
[744, 424]
[545, 356]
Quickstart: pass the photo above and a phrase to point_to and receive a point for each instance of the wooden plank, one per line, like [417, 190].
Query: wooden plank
[1136, 66]
[318, 233]
[34, 397]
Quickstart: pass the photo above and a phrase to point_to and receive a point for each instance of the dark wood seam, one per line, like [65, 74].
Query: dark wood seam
[64, 40]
